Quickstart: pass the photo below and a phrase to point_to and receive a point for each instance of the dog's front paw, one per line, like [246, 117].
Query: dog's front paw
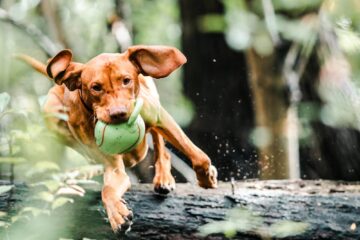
[164, 183]
[207, 178]
[119, 215]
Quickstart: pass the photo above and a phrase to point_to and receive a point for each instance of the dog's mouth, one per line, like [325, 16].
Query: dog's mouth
[109, 120]
[118, 115]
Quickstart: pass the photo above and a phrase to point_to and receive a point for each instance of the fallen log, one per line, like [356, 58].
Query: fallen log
[331, 209]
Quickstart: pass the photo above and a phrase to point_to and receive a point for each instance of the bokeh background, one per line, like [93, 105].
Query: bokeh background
[270, 89]
[268, 84]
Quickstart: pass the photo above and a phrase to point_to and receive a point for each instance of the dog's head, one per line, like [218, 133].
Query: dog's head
[109, 83]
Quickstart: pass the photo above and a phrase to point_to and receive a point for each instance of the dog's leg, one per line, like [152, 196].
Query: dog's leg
[116, 183]
[163, 181]
[205, 172]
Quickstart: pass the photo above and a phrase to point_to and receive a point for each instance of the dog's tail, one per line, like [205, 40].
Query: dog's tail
[36, 64]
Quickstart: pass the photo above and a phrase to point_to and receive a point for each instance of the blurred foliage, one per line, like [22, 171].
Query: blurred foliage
[240, 220]
[84, 26]
[36, 156]
[29, 152]
[152, 28]
[326, 29]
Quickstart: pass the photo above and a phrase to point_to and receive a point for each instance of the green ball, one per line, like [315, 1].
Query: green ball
[123, 137]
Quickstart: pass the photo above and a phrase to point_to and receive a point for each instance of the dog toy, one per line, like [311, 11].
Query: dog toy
[123, 137]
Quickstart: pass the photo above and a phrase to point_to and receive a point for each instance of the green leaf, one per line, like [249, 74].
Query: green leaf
[60, 202]
[4, 101]
[51, 185]
[4, 189]
[349, 41]
[43, 167]
[3, 224]
[19, 217]
[12, 160]
[34, 211]
[227, 227]
[214, 23]
[45, 196]
[284, 229]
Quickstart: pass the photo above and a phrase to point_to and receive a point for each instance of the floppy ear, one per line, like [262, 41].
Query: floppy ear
[63, 70]
[156, 61]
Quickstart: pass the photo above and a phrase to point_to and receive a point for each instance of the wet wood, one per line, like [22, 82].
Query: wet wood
[331, 208]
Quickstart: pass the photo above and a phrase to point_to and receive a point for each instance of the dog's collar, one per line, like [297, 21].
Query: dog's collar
[83, 102]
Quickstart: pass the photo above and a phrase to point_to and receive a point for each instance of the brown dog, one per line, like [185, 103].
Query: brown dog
[105, 88]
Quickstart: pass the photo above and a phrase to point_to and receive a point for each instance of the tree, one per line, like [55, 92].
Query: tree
[286, 47]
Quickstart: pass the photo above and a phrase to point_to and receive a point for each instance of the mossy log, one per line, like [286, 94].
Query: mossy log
[331, 209]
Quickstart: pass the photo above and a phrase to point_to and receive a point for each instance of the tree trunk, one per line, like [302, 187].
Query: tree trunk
[271, 114]
[215, 79]
[330, 208]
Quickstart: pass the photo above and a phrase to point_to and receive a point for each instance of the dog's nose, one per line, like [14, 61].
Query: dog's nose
[118, 113]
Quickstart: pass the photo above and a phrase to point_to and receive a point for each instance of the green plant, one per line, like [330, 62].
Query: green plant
[244, 221]
[37, 157]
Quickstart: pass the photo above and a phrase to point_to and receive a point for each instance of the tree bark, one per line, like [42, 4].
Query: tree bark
[271, 114]
[330, 208]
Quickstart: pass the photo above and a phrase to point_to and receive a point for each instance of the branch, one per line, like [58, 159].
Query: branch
[33, 32]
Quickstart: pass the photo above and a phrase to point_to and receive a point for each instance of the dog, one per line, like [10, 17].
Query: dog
[105, 88]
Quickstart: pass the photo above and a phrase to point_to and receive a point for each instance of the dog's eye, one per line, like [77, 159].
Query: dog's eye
[96, 88]
[126, 81]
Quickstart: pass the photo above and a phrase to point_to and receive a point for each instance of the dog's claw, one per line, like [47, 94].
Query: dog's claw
[164, 183]
[164, 189]
[130, 216]
[120, 217]
[125, 227]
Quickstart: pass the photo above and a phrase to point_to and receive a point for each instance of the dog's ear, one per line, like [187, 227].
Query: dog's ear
[63, 70]
[156, 61]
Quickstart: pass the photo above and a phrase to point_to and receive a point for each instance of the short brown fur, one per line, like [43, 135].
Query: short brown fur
[105, 89]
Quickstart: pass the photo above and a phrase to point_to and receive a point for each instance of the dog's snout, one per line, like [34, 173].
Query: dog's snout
[118, 113]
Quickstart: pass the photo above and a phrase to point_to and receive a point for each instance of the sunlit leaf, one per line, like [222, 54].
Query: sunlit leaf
[4, 189]
[3, 224]
[287, 228]
[45, 196]
[212, 23]
[217, 227]
[238, 220]
[12, 160]
[296, 30]
[42, 167]
[263, 44]
[3, 214]
[71, 191]
[60, 202]
[18, 134]
[34, 211]
[19, 217]
[241, 26]
[349, 41]
[51, 185]
[4, 101]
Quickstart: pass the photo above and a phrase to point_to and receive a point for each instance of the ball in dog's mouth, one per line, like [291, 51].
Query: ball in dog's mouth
[122, 137]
